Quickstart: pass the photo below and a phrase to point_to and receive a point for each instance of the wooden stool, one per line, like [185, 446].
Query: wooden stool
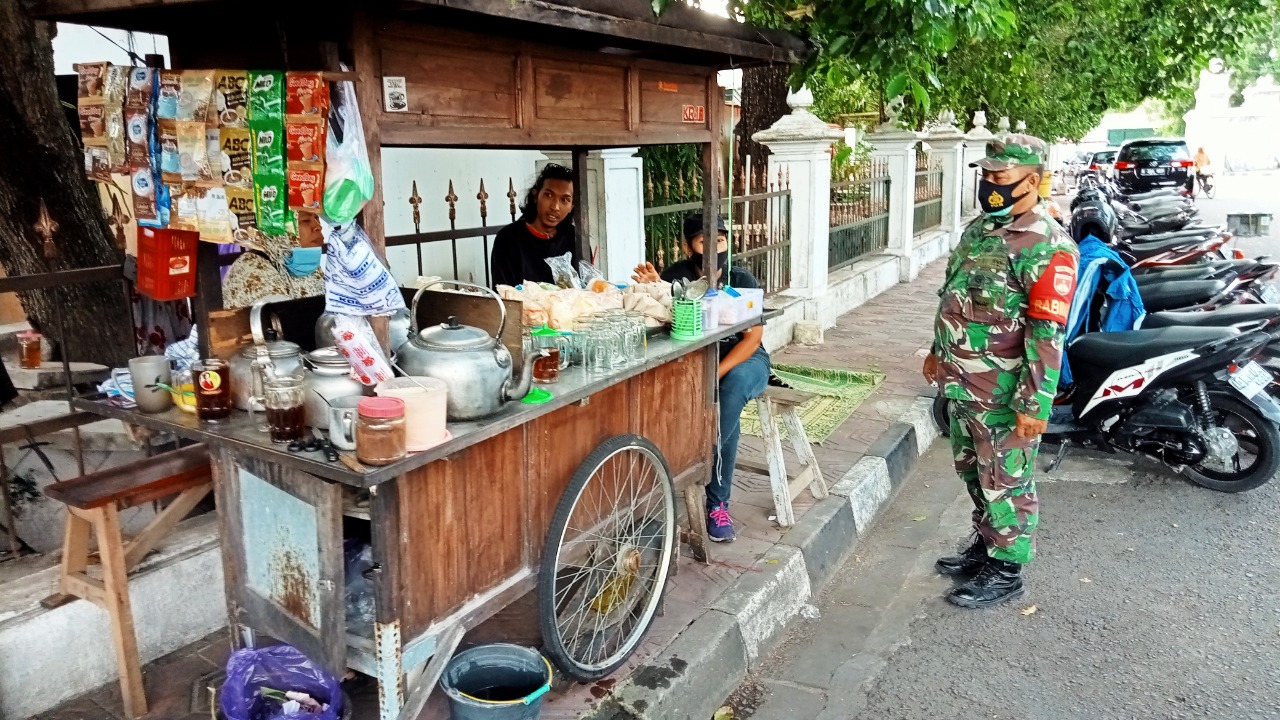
[785, 402]
[94, 502]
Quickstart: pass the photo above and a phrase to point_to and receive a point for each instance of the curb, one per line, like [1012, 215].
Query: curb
[710, 658]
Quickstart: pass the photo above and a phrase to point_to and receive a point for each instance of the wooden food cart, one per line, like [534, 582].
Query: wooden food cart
[461, 531]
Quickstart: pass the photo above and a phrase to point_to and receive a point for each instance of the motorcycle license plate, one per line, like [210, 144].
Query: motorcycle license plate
[1250, 379]
[1154, 171]
[1270, 294]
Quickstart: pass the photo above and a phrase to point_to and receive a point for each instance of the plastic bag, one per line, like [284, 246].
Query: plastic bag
[358, 344]
[562, 272]
[355, 280]
[280, 668]
[359, 589]
[348, 182]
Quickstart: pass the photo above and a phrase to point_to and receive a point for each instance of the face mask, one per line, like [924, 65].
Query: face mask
[722, 259]
[301, 262]
[997, 200]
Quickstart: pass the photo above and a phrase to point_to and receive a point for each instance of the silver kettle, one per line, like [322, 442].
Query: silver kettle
[474, 364]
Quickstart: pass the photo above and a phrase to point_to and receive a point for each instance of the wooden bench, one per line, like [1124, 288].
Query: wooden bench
[773, 403]
[94, 502]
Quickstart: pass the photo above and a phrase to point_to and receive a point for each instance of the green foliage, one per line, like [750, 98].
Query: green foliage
[842, 92]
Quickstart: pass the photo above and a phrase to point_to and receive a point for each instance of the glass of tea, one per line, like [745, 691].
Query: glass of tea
[213, 389]
[285, 399]
[549, 344]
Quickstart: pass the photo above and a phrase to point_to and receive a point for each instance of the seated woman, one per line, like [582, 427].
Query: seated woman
[744, 365]
[544, 230]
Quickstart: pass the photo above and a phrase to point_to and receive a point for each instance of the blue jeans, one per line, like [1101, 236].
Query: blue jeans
[744, 382]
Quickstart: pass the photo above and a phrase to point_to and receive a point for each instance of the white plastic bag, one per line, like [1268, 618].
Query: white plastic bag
[348, 180]
[355, 280]
[357, 343]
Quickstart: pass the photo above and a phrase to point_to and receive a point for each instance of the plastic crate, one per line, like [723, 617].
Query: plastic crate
[167, 263]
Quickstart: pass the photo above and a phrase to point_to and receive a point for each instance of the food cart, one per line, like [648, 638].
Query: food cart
[575, 498]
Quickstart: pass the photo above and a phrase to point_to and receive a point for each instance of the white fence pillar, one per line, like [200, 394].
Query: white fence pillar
[948, 146]
[898, 149]
[975, 149]
[800, 147]
[615, 207]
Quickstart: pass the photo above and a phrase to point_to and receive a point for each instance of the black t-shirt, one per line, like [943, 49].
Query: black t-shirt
[519, 255]
[739, 277]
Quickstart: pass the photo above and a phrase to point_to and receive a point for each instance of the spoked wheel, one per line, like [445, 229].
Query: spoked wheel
[1244, 448]
[607, 556]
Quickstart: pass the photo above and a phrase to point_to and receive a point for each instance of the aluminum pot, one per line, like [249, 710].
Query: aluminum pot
[399, 330]
[474, 365]
[328, 377]
[248, 368]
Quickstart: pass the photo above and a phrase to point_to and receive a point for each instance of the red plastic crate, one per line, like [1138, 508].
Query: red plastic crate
[167, 263]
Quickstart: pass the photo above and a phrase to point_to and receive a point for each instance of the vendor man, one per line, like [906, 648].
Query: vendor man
[544, 230]
[744, 364]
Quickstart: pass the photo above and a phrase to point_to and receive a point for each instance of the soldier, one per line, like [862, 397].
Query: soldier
[997, 353]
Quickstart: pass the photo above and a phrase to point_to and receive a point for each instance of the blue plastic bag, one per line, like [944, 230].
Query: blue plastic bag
[282, 668]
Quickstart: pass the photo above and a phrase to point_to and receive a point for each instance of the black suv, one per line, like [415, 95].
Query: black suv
[1144, 165]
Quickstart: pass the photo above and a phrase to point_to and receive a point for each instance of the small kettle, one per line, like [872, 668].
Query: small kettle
[475, 365]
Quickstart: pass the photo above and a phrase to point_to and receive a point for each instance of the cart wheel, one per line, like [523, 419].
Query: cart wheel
[606, 559]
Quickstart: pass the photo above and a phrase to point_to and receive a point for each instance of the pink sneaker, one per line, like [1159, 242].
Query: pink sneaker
[719, 524]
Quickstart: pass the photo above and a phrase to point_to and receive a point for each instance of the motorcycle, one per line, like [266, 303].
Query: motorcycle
[1192, 398]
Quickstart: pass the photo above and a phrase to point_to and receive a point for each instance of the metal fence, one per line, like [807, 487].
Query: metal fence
[760, 220]
[484, 232]
[859, 214]
[928, 197]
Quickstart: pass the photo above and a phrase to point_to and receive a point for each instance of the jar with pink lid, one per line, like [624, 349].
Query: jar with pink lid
[380, 430]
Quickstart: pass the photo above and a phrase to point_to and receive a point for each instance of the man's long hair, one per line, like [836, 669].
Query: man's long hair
[529, 209]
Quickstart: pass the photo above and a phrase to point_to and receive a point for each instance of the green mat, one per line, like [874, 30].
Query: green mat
[839, 392]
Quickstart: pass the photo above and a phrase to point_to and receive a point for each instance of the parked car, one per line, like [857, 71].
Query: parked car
[1144, 165]
[1101, 164]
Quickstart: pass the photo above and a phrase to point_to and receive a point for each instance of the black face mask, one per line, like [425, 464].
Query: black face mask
[997, 201]
[722, 259]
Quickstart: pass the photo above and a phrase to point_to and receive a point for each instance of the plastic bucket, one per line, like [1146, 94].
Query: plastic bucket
[496, 682]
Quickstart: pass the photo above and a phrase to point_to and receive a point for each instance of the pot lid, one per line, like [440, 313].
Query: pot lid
[327, 356]
[276, 349]
[454, 336]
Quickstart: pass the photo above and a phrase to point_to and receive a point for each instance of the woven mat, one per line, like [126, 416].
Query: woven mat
[839, 392]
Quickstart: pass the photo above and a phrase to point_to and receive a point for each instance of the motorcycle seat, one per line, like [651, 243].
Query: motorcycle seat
[1147, 249]
[1179, 294]
[1111, 351]
[1176, 235]
[1222, 317]
[1239, 266]
[1182, 272]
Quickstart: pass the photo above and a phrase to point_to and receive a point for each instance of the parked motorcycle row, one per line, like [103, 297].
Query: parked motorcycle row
[1193, 385]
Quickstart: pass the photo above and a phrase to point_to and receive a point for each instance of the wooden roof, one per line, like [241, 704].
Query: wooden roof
[682, 35]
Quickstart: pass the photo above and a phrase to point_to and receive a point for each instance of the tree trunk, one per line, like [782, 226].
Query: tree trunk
[764, 102]
[40, 158]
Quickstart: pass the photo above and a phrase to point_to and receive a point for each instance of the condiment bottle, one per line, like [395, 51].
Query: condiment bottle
[29, 355]
[380, 431]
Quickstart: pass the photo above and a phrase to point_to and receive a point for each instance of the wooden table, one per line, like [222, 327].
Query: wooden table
[457, 532]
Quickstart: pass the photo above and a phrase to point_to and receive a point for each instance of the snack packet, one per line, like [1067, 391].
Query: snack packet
[244, 221]
[306, 187]
[236, 153]
[184, 207]
[270, 203]
[140, 92]
[266, 94]
[197, 92]
[214, 217]
[304, 139]
[97, 164]
[92, 78]
[138, 136]
[193, 152]
[142, 183]
[355, 340]
[562, 272]
[268, 146]
[93, 124]
[167, 99]
[306, 94]
[231, 95]
[170, 158]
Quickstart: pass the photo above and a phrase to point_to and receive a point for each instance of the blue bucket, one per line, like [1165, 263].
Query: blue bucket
[496, 682]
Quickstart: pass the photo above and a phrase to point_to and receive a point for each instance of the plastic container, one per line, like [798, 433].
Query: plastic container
[686, 319]
[496, 682]
[710, 317]
[752, 301]
[425, 409]
[380, 430]
[167, 263]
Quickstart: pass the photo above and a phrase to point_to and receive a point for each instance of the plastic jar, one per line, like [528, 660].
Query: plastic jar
[380, 431]
[29, 355]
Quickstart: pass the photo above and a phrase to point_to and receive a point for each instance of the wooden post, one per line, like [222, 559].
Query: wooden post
[581, 216]
[369, 96]
[711, 181]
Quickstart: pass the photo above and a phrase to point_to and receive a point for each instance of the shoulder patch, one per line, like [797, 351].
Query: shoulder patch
[1050, 297]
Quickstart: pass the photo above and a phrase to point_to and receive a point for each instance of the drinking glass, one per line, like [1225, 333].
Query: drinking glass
[285, 400]
[620, 356]
[213, 389]
[638, 337]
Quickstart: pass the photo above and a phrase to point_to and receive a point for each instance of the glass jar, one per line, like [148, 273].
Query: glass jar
[29, 353]
[380, 430]
[639, 338]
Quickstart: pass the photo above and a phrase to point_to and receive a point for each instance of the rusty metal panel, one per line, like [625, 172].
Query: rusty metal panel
[282, 559]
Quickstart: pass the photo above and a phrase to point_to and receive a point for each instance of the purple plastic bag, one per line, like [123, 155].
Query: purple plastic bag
[281, 667]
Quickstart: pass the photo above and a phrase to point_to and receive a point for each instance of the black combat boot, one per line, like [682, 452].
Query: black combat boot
[997, 582]
[968, 562]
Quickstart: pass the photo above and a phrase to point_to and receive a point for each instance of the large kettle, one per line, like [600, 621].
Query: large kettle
[474, 364]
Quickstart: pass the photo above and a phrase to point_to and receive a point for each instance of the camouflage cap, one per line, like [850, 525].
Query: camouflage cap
[1012, 151]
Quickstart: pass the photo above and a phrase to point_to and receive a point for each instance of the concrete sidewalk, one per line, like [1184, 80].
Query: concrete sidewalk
[722, 617]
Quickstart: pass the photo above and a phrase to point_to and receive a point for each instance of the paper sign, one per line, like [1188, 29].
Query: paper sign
[395, 94]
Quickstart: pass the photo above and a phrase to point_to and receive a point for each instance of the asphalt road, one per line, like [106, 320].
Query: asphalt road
[1151, 598]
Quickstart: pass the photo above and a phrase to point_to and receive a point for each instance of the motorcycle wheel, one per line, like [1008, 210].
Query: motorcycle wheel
[1257, 437]
[942, 415]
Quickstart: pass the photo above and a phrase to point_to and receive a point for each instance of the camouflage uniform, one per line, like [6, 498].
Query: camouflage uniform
[998, 337]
